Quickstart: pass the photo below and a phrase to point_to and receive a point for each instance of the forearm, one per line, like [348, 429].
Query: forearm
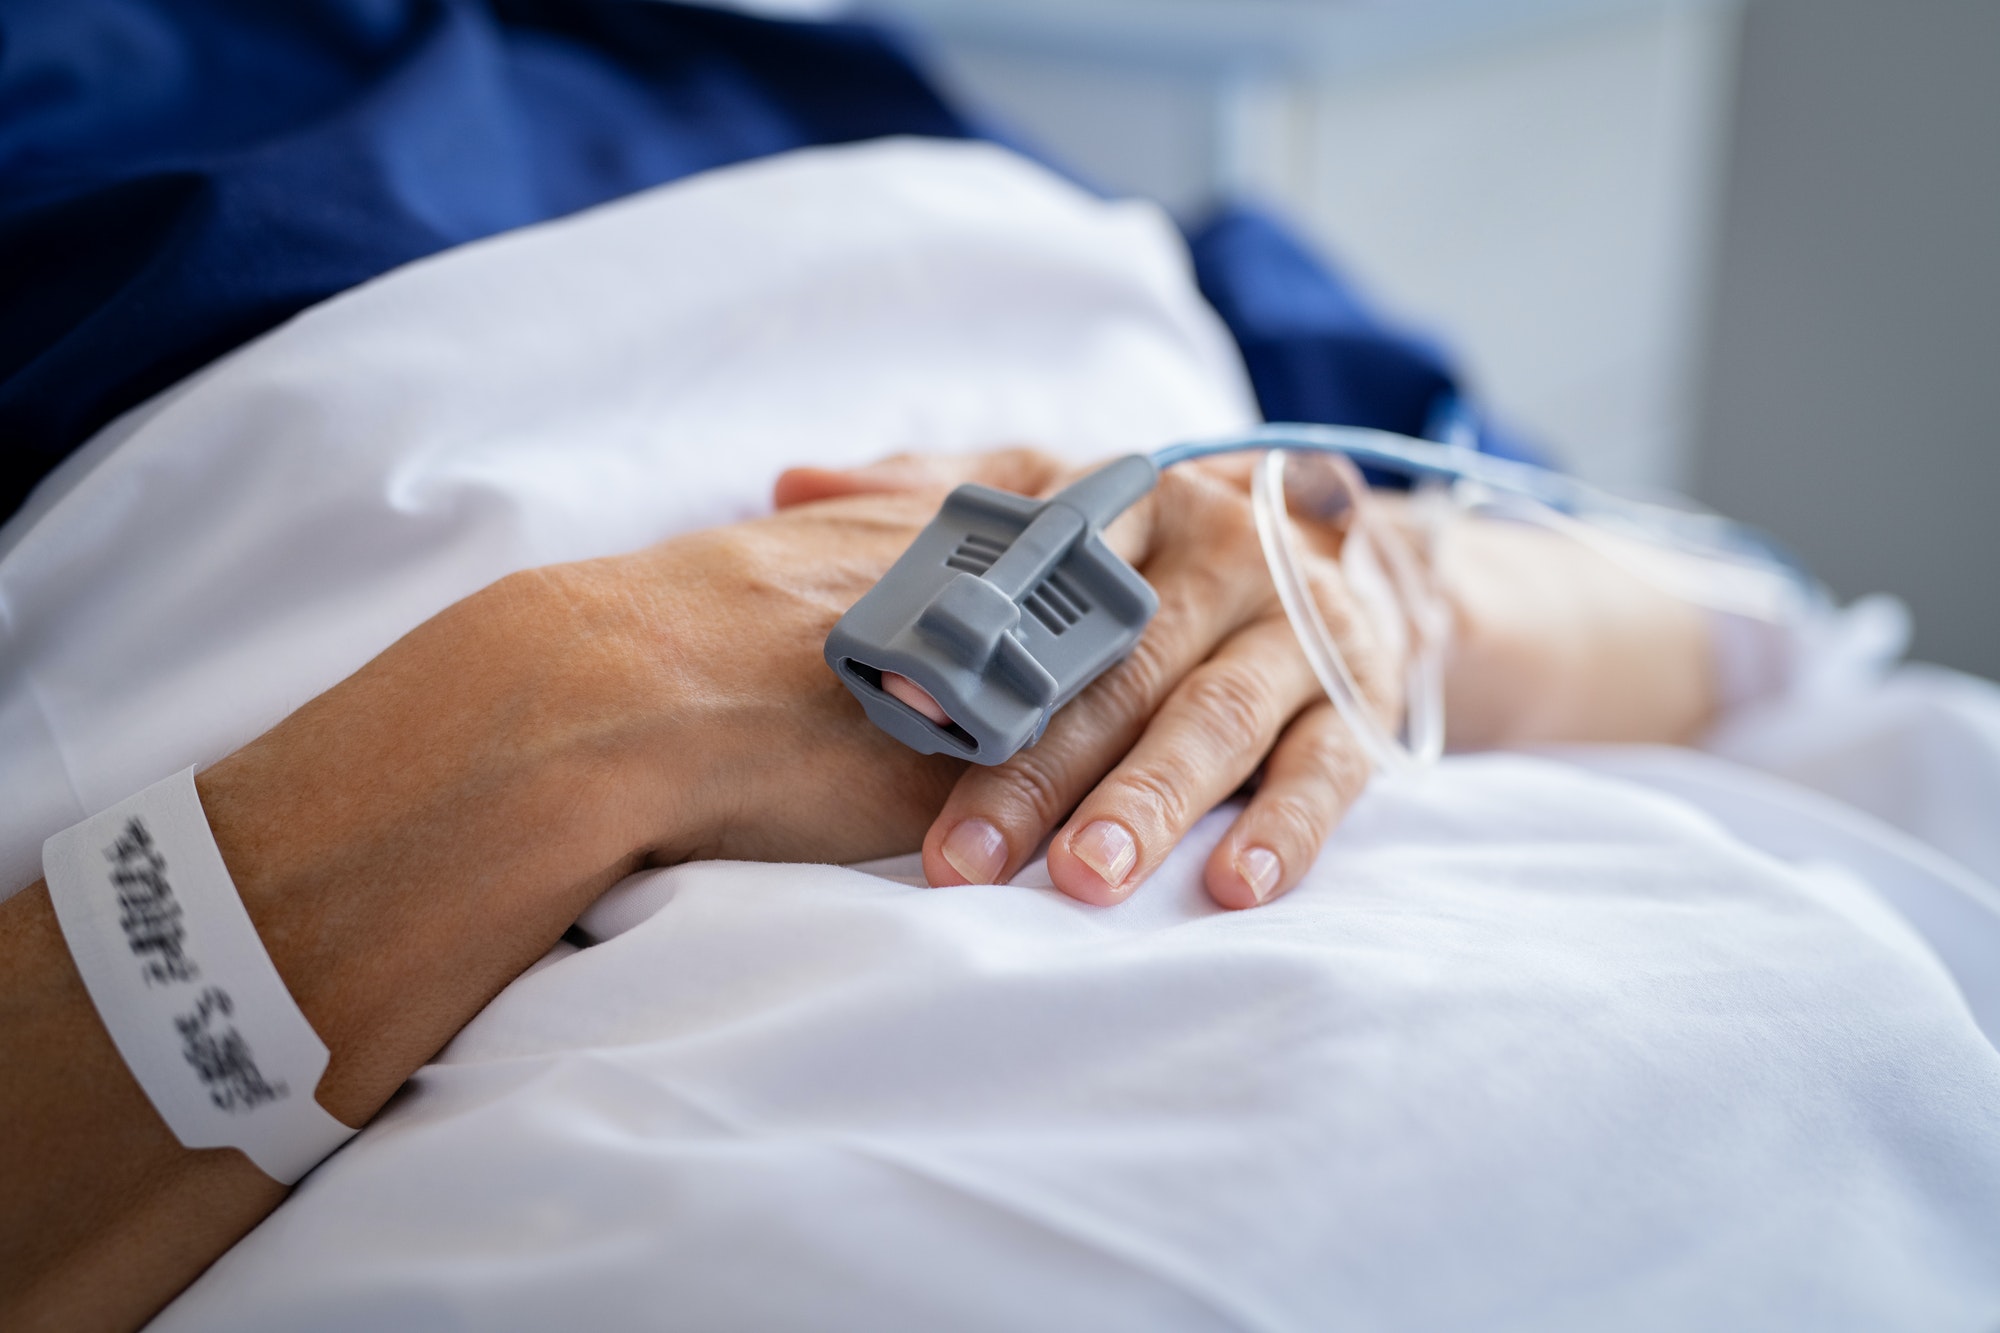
[406, 845]
[1554, 642]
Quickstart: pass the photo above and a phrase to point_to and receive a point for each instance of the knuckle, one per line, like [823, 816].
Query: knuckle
[1207, 536]
[1130, 692]
[1383, 691]
[1197, 494]
[1332, 755]
[1022, 468]
[1029, 788]
[1211, 579]
[1031, 459]
[1378, 677]
[1295, 821]
[1232, 707]
[1377, 670]
[1161, 790]
[1335, 599]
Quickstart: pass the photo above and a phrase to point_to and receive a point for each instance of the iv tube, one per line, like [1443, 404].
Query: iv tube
[1423, 641]
[1690, 554]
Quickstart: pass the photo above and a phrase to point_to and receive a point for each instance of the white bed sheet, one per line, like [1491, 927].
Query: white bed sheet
[1634, 1039]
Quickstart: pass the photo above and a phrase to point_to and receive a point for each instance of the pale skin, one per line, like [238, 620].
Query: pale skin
[410, 841]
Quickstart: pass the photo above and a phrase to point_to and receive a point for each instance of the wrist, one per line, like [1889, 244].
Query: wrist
[410, 841]
[1554, 643]
[751, 748]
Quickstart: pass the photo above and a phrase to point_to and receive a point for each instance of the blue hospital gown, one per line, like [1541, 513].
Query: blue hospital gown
[178, 176]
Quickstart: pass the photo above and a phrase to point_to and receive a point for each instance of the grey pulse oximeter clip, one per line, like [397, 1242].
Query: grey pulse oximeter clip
[1003, 610]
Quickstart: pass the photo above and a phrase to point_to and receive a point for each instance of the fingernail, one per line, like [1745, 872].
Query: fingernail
[976, 851]
[1107, 848]
[1260, 869]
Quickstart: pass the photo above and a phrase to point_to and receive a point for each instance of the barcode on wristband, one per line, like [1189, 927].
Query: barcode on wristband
[147, 910]
[151, 918]
[222, 1057]
[186, 989]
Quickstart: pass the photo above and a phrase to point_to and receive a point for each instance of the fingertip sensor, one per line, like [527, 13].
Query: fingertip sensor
[916, 696]
[1000, 612]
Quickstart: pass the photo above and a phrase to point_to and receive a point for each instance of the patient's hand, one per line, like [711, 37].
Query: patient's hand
[693, 670]
[1216, 689]
[1551, 642]
[1554, 642]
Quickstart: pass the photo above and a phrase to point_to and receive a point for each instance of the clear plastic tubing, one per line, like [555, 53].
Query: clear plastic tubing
[1423, 728]
[1691, 554]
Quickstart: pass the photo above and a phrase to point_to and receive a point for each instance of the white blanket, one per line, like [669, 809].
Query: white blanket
[1632, 1039]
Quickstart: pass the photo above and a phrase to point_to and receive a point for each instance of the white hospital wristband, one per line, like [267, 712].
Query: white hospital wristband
[184, 984]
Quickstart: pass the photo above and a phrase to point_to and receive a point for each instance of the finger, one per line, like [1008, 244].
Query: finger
[1206, 740]
[898, 686]
[1312, 777]
[997, 816]
[1022, 471]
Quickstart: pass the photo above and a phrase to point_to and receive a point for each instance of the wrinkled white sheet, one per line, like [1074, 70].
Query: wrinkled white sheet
[578, 388]
[1598, 1039]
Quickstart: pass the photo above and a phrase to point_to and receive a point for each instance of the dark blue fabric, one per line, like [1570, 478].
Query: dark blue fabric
[177, 176]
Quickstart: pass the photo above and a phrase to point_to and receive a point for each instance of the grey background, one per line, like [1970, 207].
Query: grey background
[1852, 349]
[1746, 249]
